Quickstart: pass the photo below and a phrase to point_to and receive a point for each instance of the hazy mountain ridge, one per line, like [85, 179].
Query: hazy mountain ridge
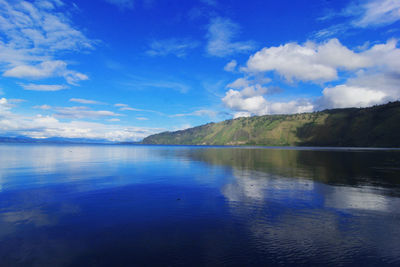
[52, 140]
[377, 126]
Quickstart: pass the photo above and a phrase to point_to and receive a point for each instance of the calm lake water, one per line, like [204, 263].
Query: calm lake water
[105, 205]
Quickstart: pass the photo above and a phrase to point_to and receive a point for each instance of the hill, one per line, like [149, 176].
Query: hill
[377, 126]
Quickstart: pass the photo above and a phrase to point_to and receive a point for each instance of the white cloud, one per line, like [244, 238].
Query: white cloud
[307, 62]
[376, 85]
[237, 101]
[73, 77]
[43, 87]
[49, 4]
[361, 14]
[230, 66]
[246, 97]
[39, 126]
[5, 107]
[333, 30]
[201, 112]
[385, 56]
[366, 89]
[142, 118]
[126, 107]
[7, 104]
[45, 69]
[34, 29]
[114, 119]
[375, 13]
[221, 32]
[342, 96]
[47, 126]
[86, 101]
[123, 4]
[374, 77]
[44, 107]
[239, 83]
[250, 101]
[177, 47]
[35, 33]
[82, 112]
[240, 114]
[291, 107]
[251, 86]
[129, 109]
[182, 127]
[121, 105]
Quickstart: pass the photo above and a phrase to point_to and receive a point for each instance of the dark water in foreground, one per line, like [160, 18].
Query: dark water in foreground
[64, 205]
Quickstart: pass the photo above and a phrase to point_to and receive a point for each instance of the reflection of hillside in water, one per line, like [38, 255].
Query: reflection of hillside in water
[380, 168]
[290, 215]
[258, 188]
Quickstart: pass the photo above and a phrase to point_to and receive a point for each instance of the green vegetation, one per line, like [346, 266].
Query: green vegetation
[377, 126]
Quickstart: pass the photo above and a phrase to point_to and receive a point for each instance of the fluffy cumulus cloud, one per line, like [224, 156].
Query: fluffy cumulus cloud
[375, 85]
[221, 35]
[244, 105]
[248, 98]
[40, 126]
[343, 96]
[307, 62]
[373, 77]
[32, 34]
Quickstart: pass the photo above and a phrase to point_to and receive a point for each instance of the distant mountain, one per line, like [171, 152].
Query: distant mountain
[377, 126]
[52, 140]
[129, 143]
[19, 139]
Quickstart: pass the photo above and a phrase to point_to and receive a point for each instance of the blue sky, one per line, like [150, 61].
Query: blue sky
[123, 69]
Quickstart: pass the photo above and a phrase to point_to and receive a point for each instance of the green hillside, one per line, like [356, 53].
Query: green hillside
[377, 126]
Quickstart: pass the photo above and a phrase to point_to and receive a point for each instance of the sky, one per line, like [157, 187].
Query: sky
[124, 69]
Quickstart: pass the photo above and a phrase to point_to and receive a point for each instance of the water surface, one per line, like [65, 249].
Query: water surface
[105, 205]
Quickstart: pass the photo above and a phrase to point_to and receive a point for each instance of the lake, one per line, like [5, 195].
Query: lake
[116, 205]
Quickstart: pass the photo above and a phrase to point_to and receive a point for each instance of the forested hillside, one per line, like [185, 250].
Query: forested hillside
[377, 126]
